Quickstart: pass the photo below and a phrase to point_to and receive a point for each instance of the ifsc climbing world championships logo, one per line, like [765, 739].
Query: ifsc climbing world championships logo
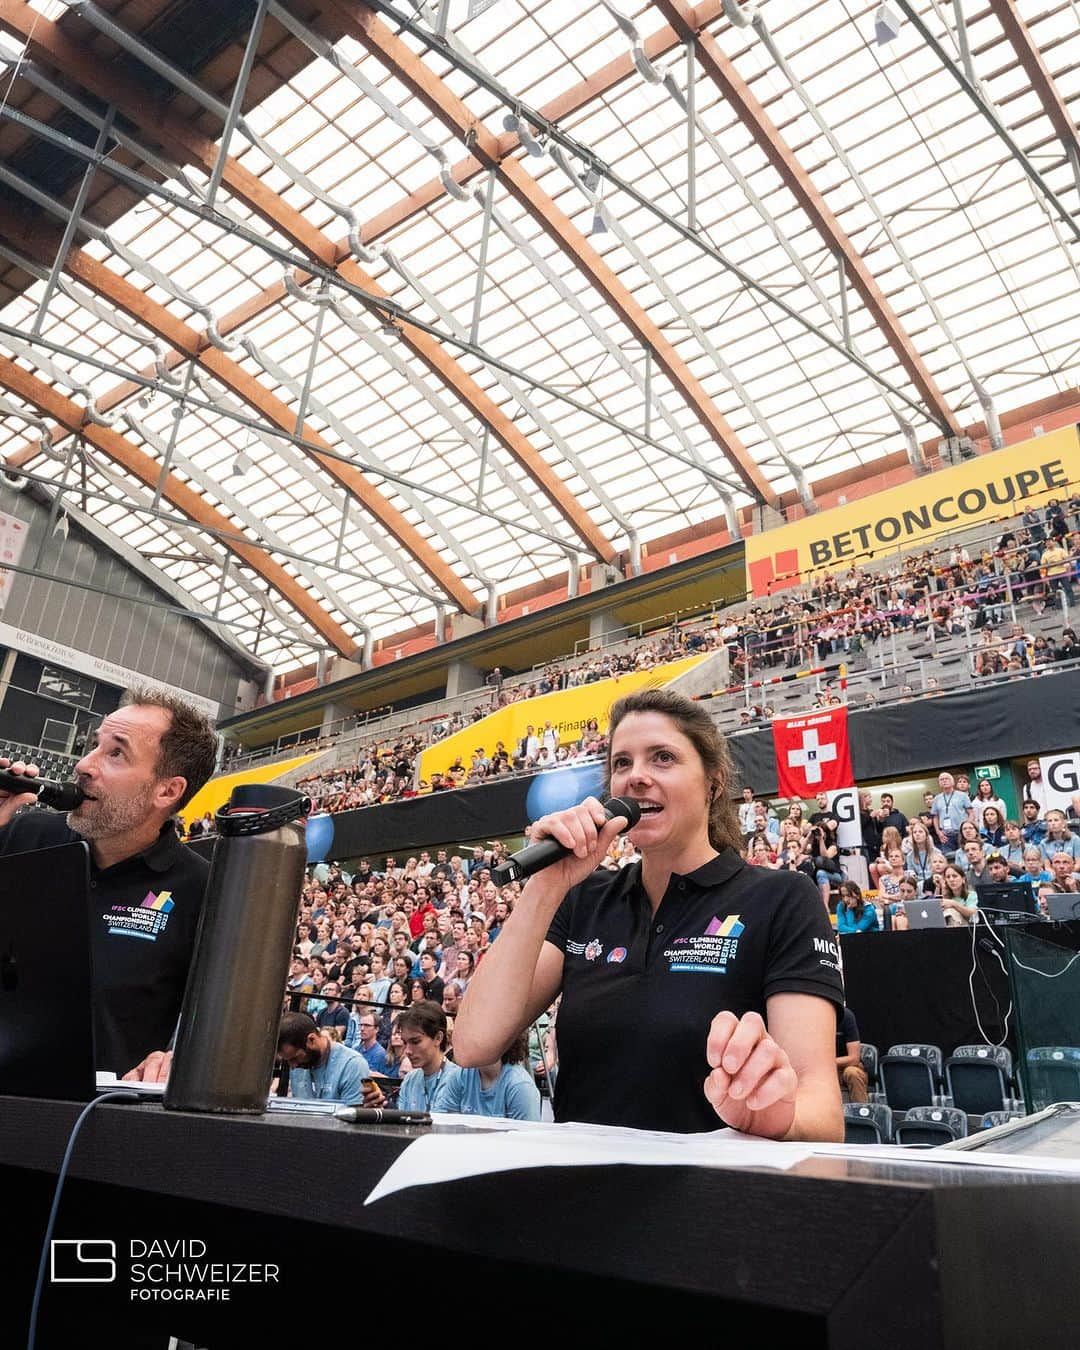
[709, 954]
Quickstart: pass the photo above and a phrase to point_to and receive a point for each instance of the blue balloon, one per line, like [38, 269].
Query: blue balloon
[557, 789]
[320, 836]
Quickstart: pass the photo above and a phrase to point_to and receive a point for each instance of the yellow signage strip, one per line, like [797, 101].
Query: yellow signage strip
[990, 487]
[568, 710]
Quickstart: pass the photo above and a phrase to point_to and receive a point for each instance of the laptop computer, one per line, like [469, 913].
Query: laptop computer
[924, 913]
[46, 975]
[1001, 902]
[1061, 906]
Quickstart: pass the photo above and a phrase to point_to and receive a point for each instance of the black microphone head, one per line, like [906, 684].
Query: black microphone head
[61, 796]
[623, 806]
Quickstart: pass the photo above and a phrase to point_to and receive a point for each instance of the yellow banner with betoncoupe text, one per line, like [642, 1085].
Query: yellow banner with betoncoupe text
[990, 487]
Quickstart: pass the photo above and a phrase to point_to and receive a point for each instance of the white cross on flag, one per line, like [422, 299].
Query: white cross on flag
[812, 753]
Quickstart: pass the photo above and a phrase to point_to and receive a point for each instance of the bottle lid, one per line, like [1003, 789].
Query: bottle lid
[258, 808]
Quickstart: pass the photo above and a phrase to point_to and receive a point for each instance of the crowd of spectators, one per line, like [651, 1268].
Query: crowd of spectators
[959, 843]
[410, 933]
[933, 595]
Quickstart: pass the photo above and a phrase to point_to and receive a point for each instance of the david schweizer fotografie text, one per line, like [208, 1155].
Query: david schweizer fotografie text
[179, 1270]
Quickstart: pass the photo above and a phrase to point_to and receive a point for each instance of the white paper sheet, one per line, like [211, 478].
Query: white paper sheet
[511, 1145]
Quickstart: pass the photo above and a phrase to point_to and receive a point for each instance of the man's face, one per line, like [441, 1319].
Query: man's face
[945, 782]
[451, 1000]
[973, 849]
[367, 1029]
[119, 776]
[747, 795]
[1061, 865]
[427, 964]
[999, 871]
[822, 801]
[886, 801]
[304, 1056]
[1031, 811]
[331, 990]
[1034, 770]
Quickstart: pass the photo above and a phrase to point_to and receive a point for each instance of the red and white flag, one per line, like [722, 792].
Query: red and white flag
[812, 753]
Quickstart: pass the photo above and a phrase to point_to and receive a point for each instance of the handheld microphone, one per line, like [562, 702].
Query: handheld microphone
[60, 796]
[535, 857]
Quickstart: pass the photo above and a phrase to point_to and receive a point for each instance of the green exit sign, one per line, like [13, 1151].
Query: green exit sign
[987, 771]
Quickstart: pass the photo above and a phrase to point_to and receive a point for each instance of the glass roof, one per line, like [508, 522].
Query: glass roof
[537, 365]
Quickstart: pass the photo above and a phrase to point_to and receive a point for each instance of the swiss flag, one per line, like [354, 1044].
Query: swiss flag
[812, 753]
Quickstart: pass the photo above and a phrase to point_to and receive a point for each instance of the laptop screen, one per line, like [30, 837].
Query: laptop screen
[46, 979]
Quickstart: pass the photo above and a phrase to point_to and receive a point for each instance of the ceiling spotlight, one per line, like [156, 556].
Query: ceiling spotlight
[887, 24]
[241, 465]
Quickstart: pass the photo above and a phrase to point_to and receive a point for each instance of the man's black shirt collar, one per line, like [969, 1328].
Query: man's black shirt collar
[159, 857]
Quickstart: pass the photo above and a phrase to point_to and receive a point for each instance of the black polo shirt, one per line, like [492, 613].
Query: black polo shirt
[640, 990]
[144, 913]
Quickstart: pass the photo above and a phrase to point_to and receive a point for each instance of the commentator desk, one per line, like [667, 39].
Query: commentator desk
[834, 1253]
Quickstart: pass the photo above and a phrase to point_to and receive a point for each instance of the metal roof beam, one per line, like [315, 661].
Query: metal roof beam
[377, 38]
[767, 137]
[50, 403]
[50, 44]
[1038, 181]
[39, 244]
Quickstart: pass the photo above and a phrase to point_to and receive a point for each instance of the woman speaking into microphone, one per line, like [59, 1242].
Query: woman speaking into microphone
[696, 991]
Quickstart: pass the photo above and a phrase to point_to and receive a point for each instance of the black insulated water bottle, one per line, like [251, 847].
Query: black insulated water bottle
[227, 1039]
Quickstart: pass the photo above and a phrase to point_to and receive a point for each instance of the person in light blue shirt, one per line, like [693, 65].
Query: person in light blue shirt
[504, 1089]
[1059, 838]
[363, 1038]
[378, 978]
[950, 809]
[429, 1086]
[320, 1068]
[854, 914]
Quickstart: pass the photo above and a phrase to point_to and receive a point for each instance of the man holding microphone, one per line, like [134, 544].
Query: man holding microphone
[144, 763]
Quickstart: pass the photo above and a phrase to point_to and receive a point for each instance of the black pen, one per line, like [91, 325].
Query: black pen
[380, 1115]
